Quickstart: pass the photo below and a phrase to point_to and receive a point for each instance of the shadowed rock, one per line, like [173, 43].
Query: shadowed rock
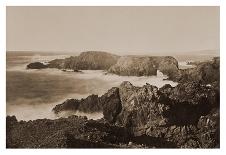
[36, 65]
[71, 132]
[109, 103]
[205, 72]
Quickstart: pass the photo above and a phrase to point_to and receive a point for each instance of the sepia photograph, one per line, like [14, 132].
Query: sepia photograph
[141, 77]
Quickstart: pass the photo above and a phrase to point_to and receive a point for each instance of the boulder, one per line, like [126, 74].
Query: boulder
[140, 107]
[36, 65]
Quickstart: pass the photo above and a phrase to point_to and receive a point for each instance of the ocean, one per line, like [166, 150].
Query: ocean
[31, 94]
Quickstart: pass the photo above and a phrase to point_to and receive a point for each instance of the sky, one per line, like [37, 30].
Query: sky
[122, 30]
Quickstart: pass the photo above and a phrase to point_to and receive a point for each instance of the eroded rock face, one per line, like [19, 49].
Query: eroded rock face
[172, 114]
[134, 66]
[111, 104]
[36, 65]
[140, 106]
[169, 66]
[145, 66]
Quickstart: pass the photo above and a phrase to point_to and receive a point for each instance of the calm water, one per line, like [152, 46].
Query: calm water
[31, 94]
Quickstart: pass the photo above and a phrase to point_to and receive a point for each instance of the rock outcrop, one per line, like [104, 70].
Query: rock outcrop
[145, 66]
[170, 114]
[89, 105]
[90, 60]
[36, 65]
[140, 106]
[134, 66]
[109, 104]
[205, 72]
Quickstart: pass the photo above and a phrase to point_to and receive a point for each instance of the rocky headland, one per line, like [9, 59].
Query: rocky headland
[205, 72]
[120, 65]
[185, 116]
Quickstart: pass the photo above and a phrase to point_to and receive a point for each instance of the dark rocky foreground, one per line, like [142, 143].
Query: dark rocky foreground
[143, 117]
[185, 116]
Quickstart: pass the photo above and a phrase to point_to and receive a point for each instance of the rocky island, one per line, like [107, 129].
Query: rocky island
[121, 65]
[185, 116]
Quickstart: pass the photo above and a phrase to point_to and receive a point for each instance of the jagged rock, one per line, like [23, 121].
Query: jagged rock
[36, 65]
[205, 72]
[88, 105]
[140, 107]
[71, 132]
[194, 93]
[69, 104]
[111, 104]
[209, 130]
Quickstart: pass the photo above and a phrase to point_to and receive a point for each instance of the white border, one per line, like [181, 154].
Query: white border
[106, 3]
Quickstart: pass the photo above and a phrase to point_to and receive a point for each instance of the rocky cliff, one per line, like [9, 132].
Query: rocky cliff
[145, 65]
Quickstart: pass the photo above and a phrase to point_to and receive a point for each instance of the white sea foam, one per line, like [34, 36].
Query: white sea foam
[184, 65]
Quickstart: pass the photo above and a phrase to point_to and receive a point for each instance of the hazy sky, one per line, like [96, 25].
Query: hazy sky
[114, 29]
